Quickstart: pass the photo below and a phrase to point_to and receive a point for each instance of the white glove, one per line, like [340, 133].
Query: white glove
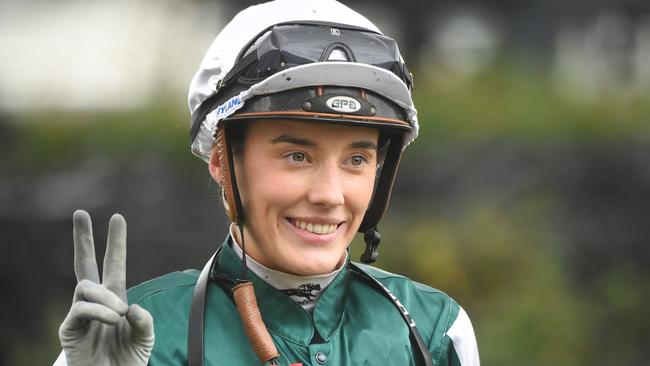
[101, 329]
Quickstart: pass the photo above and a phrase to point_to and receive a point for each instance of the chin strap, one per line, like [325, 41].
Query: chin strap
[244, 265]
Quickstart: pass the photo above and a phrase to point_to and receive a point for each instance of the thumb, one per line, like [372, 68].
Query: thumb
[141, 325]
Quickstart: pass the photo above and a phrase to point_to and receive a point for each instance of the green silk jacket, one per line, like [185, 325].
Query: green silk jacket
[352, 323]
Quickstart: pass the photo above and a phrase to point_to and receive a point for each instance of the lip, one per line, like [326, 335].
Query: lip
[309, 237]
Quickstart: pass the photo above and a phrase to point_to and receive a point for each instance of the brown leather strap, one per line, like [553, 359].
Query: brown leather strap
[223, 150]
[254, 326]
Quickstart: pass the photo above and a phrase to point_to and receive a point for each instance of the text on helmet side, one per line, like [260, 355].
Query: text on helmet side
[343, 104]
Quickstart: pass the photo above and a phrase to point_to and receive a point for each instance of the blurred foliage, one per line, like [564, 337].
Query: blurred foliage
[524, 104]
[504, 265]
[48, 139]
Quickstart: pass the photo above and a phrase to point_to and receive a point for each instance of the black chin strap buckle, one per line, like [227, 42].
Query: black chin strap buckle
[372, 239]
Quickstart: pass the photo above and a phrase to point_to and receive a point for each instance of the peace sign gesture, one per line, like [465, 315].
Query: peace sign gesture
[101, 329]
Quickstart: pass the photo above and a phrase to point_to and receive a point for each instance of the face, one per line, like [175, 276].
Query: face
[305, 188]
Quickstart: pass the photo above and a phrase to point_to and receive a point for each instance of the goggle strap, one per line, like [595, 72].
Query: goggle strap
[237, 70]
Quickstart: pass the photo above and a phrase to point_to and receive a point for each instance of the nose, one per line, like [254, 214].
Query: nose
[327, 187]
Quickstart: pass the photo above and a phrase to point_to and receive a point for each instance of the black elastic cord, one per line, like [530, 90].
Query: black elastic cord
[416, 338]
[244, 266]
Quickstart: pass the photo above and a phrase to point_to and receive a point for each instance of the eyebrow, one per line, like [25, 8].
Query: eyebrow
[363, 144]
[292, 140]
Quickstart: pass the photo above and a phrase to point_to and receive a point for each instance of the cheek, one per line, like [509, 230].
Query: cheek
[360, 192]
[272, 189]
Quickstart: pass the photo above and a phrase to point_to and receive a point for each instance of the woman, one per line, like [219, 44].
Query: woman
[301, 110]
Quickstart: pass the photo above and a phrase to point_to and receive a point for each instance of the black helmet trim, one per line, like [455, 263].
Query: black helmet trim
[323, 118]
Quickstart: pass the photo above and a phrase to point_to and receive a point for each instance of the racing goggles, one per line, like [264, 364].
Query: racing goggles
[290, 45]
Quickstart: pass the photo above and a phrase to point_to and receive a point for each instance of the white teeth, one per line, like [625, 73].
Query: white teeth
[320, 229]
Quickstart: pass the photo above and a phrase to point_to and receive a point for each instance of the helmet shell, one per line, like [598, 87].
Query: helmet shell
[252, 22]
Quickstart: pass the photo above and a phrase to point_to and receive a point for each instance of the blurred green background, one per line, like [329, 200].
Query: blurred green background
[526, 196]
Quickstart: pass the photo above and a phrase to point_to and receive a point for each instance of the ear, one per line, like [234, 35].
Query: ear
[215, 166]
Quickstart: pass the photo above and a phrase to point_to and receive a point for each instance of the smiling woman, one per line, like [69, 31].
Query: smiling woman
[302, 111]
[326, 173]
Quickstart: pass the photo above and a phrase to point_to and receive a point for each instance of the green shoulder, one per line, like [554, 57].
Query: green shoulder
[170, 281]
[433, 310]
[418, 293]
[387, 278]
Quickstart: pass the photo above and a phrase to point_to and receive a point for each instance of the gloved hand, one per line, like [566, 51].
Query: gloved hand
[101, 329]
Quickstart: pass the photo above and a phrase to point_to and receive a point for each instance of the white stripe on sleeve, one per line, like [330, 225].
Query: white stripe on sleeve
[462, 335]
[61, 361]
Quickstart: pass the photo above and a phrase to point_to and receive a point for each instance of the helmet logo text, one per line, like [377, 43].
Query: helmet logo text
[343, 104]
[229, 107]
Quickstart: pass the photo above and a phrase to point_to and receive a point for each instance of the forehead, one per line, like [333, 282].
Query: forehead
[314, 131]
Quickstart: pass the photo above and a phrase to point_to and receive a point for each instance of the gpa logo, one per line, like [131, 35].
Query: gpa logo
[343, 104]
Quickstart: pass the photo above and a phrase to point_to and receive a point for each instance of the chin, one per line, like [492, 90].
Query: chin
[312, 266]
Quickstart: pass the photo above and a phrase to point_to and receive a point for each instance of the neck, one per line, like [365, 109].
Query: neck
[304, 290]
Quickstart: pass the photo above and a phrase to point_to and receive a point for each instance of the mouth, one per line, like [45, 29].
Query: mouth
[318, 228]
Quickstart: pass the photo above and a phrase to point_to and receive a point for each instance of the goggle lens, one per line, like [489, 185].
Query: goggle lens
[286, 46]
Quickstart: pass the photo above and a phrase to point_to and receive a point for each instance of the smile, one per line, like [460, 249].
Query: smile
[316, 228]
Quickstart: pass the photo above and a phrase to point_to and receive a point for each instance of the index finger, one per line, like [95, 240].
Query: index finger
[85, 264]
